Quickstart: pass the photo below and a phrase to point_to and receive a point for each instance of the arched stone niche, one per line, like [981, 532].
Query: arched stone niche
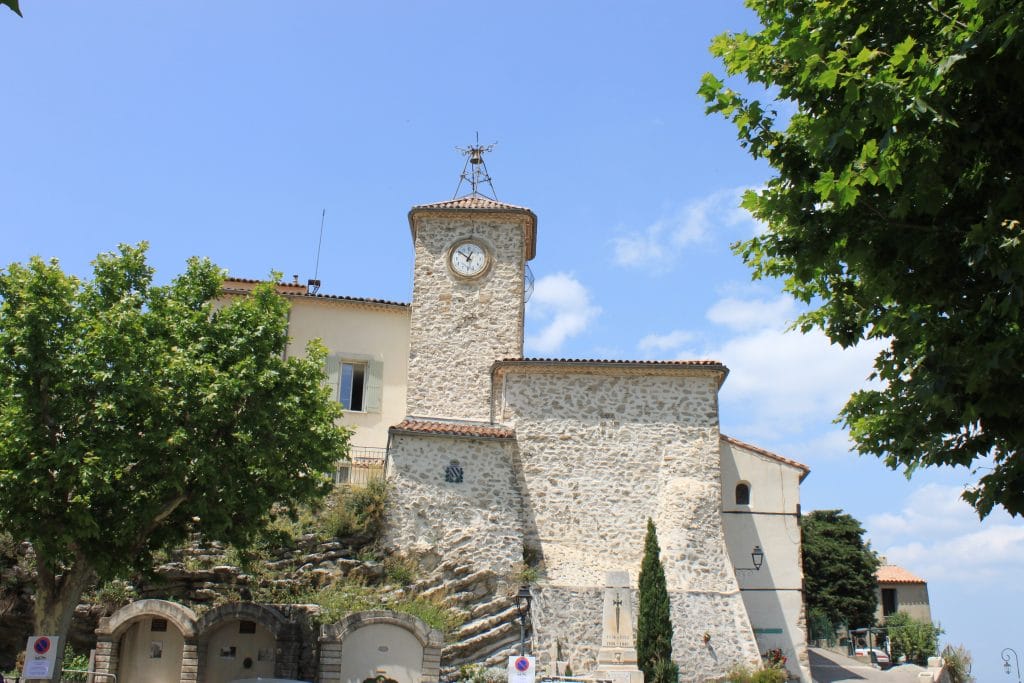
[380, 642]
[148, 641]
[246, 640]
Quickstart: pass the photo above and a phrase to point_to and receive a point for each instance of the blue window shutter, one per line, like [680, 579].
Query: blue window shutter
[373, 387]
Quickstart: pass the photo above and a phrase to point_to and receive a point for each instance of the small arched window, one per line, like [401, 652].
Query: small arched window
[742, 494]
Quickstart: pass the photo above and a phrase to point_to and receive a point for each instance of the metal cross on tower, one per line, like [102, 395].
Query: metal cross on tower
[475, 170]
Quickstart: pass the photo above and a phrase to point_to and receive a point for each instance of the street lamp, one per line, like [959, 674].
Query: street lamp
[757, 557]
[523, 600]
[1006, 662]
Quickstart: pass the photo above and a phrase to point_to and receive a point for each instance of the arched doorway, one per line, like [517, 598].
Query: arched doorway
[381, 650]
[380, 645]
[147, 641]
[244, 640]
[239, 649]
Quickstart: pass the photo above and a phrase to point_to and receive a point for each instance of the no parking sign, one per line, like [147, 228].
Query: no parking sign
[521, 669]
[40, 656]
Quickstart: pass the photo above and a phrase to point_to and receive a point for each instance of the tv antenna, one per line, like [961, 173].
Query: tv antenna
[474, 171]
[313, 285]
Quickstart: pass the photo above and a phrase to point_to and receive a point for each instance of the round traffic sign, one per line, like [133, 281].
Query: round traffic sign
[42, 645]
[522, 664]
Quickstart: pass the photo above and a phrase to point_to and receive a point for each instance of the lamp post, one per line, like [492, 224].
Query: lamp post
[523, 600]
[1006, 661]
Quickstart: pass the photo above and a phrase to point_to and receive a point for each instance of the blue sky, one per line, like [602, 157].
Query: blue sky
[224, 129]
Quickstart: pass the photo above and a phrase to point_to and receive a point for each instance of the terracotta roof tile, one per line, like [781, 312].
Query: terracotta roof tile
[455, 429]
[291, 289]
[582, 361]
[891, 573]
[472, 201]
[768, 454]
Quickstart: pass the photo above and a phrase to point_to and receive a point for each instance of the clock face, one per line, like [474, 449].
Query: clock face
[468, 259]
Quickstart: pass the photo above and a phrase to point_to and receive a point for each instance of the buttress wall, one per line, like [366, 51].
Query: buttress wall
[600, 449]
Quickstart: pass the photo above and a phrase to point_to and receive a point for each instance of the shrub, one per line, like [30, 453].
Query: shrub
[477, 673]
[958, 663]
[115, 594]
[356, 514]
[774, 659]
[744, 674]
[916, 639]
[340, 599]
[78, 662]
[400, 570]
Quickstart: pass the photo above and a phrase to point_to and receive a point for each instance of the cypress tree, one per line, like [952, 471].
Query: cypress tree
[654, 618]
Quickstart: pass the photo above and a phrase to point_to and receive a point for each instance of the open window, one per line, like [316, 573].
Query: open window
[355, 382]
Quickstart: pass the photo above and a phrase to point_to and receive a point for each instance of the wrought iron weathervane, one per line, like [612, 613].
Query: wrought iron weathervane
[474, 171]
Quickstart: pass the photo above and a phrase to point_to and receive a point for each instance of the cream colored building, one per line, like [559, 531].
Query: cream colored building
[901, 591]
[495, 457]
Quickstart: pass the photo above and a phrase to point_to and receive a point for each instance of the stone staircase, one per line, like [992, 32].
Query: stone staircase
[491, 630]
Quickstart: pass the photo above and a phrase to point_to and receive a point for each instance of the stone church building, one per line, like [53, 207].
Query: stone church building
[496, 458]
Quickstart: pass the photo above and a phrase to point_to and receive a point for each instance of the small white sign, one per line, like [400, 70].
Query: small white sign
[40, 656]
[521, 669]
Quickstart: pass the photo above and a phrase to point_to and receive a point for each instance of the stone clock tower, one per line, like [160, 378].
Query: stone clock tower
[468, 302]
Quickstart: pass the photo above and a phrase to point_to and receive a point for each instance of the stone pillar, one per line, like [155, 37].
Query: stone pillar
[330, 660]
[431, 664]
[108, 659]
[190, 661]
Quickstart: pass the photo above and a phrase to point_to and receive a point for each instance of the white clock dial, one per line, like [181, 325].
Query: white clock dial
[468, 259]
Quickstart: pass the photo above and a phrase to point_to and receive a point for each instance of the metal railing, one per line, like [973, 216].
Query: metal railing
[365, 464]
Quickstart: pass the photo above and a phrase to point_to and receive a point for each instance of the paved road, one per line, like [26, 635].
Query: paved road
[829, 667]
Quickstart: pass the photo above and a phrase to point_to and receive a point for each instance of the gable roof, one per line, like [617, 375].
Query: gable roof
[805, 470]
[891, 573]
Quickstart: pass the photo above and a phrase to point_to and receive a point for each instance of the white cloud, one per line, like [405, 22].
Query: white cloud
[752, 314]
[658, 245]
[938, 536]
[665, 342]
[785, 380]
[780, 381]
[562, 305]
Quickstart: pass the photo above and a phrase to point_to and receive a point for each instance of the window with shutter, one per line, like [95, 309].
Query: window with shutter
[355, 383]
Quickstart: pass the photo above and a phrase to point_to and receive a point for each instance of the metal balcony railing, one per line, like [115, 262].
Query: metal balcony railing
[365, 463]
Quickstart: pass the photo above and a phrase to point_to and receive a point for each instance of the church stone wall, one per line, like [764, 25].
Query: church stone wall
[477, 521]
[459, 328]
[601, 449]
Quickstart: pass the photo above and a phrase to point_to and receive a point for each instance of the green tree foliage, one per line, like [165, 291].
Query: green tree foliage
[897, 210]
[916, 639]
[654, 620]
[13, 4]
[132, 415]
[839, 569]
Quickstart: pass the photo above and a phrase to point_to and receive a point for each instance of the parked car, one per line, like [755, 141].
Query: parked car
[879, 657]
